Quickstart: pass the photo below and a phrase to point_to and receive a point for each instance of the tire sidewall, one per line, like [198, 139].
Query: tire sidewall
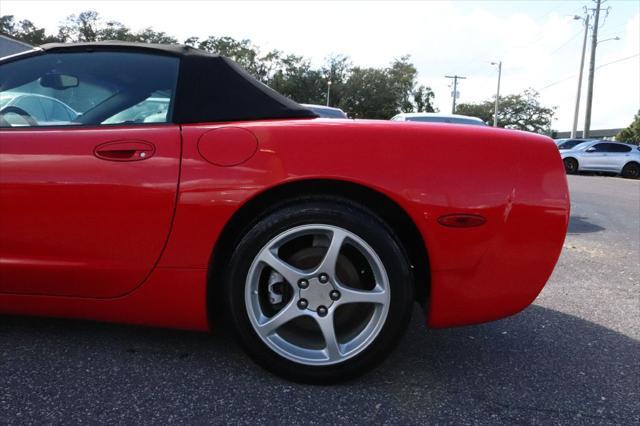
[341, 214]
[573, 162]
[625, 171]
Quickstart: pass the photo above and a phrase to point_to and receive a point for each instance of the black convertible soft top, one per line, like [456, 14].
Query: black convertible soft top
[210, 87]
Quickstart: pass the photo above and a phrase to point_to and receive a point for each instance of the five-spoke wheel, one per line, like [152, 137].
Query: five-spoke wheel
[319, 290]
[346, 271]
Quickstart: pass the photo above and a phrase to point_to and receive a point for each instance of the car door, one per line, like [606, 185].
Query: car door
[85, 208]
[594, 157]
[618, 156]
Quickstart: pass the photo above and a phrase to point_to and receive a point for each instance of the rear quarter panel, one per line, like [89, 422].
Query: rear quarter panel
[515, 180]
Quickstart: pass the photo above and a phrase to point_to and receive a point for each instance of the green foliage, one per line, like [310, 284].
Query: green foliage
[631, 134]
[241, 51]
[88, 26]
[522, 111]
[295, 78]
[361, 92]
[423, 98]
[483, 110]
[25, 30]
[369, 93]
[384, 92]
[335, 70]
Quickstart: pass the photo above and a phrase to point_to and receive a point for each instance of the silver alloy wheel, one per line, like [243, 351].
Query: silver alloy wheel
[317, 293]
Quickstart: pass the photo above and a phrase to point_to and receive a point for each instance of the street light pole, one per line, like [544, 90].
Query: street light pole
[574, 129]
[592, 69]
[495, 112]
[328, 91]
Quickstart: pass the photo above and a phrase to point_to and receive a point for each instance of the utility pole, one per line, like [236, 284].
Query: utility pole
[592, 68]
[495, 112]
[574, 129]
[454, 95]
[328, 91]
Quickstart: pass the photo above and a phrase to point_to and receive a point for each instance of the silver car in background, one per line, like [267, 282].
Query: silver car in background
[325, 111]
[603, 156]
[434, 117]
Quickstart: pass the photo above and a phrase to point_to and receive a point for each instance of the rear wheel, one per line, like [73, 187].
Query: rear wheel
[631, 171]
[319, 291]
[570, 166]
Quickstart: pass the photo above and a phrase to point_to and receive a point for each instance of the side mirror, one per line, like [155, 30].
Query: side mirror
[591, 149]
[59, 81]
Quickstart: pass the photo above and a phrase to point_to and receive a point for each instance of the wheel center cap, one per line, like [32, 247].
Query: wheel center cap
[317, 294]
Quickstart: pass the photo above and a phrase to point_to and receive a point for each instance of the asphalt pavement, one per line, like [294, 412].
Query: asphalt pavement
[572, 357]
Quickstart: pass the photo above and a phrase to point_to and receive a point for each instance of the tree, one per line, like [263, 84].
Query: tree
[25, 31]
[241, 51]
[336, 70]
[522, 112]
[244, 53]
[80, 27]
[296, 79]
[148, 35]
[410, 98]
[370, 93]
[362, 92]
[89, 26]
[483, 111]
[423, 99]
[384, 92]
[631, 134]
[403, 76]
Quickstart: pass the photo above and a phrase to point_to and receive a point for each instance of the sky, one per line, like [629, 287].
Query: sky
[538, 41]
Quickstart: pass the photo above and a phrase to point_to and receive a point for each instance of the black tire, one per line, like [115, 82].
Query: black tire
[332, 212]
[570, 166]
[631, 171]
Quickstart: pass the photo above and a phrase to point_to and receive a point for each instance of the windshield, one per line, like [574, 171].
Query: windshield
[569, 144]
[582, 145]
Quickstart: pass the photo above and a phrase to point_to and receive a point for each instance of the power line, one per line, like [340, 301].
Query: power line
[556, 82]
[566, 42]
[598, 67]
[536, 39]
[617, 60]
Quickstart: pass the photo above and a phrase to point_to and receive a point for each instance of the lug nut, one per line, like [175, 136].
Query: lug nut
[322, 311]
[303, 283]
[323, 278]
[334, 295]
[302, 303]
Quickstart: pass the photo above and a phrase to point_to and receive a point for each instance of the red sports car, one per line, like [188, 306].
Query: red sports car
[184, 193]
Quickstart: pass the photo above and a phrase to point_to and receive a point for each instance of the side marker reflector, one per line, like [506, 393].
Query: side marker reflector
[461, 220]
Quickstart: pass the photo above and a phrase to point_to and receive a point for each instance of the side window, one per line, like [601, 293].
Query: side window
[87, 88]
[619, 148]
[154, 109]
[601, 147]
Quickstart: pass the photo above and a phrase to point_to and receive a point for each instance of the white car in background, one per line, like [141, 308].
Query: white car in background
[603, 156]
[44, 109]
[433, 117]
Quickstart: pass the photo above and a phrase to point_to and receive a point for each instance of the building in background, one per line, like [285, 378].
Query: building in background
[608, 134]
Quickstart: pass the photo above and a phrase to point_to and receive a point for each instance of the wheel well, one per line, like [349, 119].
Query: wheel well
[388, 210]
